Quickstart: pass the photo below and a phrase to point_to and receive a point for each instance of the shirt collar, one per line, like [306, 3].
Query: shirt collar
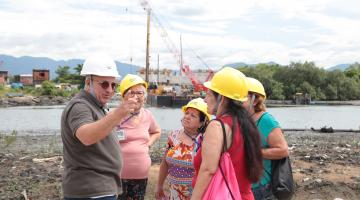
[91, 98]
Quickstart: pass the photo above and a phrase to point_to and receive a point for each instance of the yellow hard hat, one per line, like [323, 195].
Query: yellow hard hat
[130, 80]
[255, 85]
[198, 104]
[230, 83]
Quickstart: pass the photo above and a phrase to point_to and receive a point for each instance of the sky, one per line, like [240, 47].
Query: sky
[213, 33]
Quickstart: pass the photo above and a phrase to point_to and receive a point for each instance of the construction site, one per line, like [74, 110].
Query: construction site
[172, 88]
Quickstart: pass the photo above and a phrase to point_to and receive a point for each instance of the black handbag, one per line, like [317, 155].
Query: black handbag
[282, 182]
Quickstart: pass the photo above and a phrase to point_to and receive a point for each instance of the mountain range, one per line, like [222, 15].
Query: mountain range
[341, 67]
[25, 65]
[242, 64]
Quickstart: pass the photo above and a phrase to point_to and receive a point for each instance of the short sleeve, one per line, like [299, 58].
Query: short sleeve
[79, 115]
[153, 124]
[266, 124]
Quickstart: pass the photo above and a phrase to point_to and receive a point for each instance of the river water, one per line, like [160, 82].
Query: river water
[46, 119]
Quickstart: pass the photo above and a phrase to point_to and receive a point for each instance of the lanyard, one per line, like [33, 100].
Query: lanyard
[127, 119]
[198, 142]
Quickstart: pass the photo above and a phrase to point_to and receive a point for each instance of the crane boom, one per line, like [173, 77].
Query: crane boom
[175, 51]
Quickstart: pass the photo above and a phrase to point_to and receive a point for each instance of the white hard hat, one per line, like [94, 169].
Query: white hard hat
[100, 65]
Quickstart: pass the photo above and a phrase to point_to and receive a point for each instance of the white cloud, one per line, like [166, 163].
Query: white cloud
[221, 32]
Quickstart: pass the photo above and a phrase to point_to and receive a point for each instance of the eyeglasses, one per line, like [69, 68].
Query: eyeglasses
[138, 93]
[105, 84]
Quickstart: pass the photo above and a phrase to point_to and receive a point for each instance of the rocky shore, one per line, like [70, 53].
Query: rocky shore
[32, 101]
[325, 166]
[21, 100]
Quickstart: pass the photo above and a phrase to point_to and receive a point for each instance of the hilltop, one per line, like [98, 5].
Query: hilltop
[341, 67]
[25, 64]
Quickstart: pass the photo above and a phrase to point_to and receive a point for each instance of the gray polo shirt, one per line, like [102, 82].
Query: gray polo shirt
[93, 170]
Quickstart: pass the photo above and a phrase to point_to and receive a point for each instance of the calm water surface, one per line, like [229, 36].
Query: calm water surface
[46, 119]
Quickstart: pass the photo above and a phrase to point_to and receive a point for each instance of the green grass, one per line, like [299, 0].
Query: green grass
[4, 90]
[9, 139]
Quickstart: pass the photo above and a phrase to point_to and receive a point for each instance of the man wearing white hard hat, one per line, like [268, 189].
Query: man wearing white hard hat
[92, 158]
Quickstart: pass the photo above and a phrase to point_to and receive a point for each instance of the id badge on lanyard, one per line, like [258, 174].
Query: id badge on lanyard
[120, 133]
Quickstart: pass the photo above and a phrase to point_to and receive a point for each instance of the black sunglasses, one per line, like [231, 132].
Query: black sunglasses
[105, 84]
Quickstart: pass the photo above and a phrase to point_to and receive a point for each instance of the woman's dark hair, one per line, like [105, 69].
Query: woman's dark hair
[202, 118]
[251, 138]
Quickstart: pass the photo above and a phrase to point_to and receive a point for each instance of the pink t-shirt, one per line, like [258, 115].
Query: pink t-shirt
[134, 149]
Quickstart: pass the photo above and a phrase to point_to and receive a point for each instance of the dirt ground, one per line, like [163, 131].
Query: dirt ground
[325, 166]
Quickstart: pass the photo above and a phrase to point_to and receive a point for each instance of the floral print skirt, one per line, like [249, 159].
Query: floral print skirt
[133, 189]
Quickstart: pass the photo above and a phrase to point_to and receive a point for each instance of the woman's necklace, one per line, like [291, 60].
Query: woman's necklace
[197, 144]
[191, 137]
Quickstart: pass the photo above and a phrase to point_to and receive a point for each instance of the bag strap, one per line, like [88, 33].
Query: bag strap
[223, 151]
[224, 136]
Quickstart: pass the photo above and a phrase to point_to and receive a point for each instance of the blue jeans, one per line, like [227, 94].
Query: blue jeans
[100, 198]
[263, 192]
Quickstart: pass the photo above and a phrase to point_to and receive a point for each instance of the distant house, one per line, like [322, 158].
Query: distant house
[26, 79]
[40, 75]
[3, 77]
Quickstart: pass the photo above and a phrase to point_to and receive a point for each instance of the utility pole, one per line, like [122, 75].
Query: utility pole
[147, 65]
[181, 57]
[158, 69]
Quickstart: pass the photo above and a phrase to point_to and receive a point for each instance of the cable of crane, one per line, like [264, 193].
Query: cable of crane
[172, 47]
[198, 57]
[130, 13]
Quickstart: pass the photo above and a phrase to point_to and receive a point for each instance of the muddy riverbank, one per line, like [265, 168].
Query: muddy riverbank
[325, 166]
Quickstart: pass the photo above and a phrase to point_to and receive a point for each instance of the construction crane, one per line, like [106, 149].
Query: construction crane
[184, 68]
[198, 86]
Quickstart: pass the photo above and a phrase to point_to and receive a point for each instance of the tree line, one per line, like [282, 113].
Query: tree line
[283, 82]
[280, 82]
[65, 76]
